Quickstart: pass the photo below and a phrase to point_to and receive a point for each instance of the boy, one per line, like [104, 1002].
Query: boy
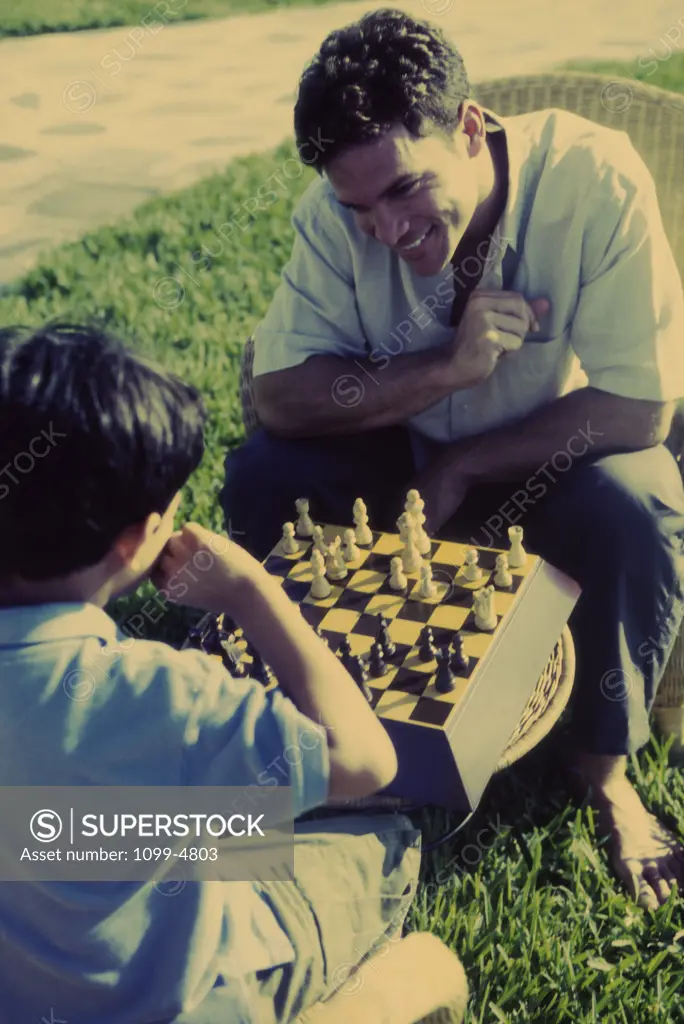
[95, 444]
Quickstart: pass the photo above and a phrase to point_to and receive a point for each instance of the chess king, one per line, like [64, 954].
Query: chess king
[486, 309]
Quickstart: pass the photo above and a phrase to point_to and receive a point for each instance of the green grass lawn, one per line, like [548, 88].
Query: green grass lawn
[524, 895]
[33, 17]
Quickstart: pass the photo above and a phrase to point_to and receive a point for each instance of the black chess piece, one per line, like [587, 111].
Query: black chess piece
[346, 652]
[383, 638]
[459, 660]
[213, 639]
[232, 657]
[426, 645]
[445, 680]
[376, 663]
[259, 670]
[195, 637]
[359, 673]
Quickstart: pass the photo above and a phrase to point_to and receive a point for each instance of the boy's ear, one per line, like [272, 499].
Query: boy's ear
[130, 540]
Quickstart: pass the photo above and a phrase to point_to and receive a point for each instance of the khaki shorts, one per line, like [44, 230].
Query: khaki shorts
[354, 880]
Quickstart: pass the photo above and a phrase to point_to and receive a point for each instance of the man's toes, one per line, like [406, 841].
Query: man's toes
[657, 878]
[644, 894]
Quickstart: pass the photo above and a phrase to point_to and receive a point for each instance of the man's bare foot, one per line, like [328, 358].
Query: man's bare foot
[644, 854]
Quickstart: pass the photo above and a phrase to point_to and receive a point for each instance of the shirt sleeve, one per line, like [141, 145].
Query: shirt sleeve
[628, 329]
[239, 734]
[314, 310]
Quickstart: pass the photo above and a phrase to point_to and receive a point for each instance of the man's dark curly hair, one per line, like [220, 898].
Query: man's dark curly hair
[383, 70]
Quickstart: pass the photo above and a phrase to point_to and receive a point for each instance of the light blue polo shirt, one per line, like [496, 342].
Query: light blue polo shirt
[83, 704]
[581, 228]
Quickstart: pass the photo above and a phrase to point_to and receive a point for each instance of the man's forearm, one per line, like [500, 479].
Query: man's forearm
[327, 395]
[585, 422]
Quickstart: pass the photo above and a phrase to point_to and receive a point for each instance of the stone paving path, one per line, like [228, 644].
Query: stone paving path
[94, 123]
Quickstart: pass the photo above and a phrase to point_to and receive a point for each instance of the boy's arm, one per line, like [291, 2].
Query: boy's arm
[361, 755]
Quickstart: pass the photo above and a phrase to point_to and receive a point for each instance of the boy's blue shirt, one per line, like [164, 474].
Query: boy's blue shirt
[83, 704]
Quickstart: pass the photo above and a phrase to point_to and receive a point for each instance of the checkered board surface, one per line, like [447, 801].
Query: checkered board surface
[407, 692]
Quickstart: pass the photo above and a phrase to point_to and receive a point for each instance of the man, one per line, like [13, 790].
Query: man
[486, 309]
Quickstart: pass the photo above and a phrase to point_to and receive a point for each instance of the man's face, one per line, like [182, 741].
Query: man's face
[416, 196]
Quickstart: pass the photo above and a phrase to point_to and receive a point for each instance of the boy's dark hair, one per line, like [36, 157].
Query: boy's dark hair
[93, 438]
[383, 70]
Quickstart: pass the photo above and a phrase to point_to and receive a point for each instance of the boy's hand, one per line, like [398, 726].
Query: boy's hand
[206, 570]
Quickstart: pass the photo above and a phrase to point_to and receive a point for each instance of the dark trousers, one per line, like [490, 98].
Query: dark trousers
[614, 524]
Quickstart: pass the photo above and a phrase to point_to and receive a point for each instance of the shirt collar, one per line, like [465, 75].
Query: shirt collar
[508, 229]
[23, 625]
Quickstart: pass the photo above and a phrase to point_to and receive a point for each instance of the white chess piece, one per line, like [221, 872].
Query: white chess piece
[351, 551]
[417, 518]
[412, 499]
[471, 570]
[305, 524]
[363, 532]
[410, 556]
[517, 556]
[427, 586]
[335, 564]
[483, 606]
[403, 525]
[319, 541]
[397, 580]
[289, 545]
[320, 588]
[502, 576]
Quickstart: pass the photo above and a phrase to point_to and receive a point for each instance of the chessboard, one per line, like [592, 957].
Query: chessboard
[448, 743]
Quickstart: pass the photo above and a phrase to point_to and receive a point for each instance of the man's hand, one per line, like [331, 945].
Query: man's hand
[442, 486]
[206, 570]
[493, 322]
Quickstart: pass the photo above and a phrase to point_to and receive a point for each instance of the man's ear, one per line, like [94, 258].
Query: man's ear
[133, 538]
[473, 125]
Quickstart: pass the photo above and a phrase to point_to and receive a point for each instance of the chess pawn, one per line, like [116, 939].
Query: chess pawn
[351, 551]
[459, 660]
[289, 544]
[305, 524]
[502, 577]
[335, 563]
[320, 588]
[319, 541]
[483, 606]
[471, 569]
[363, 532]
[426, 645]
[427, 587]
[517, 556]
[410, 556]
[376, 663]
[397, 580]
